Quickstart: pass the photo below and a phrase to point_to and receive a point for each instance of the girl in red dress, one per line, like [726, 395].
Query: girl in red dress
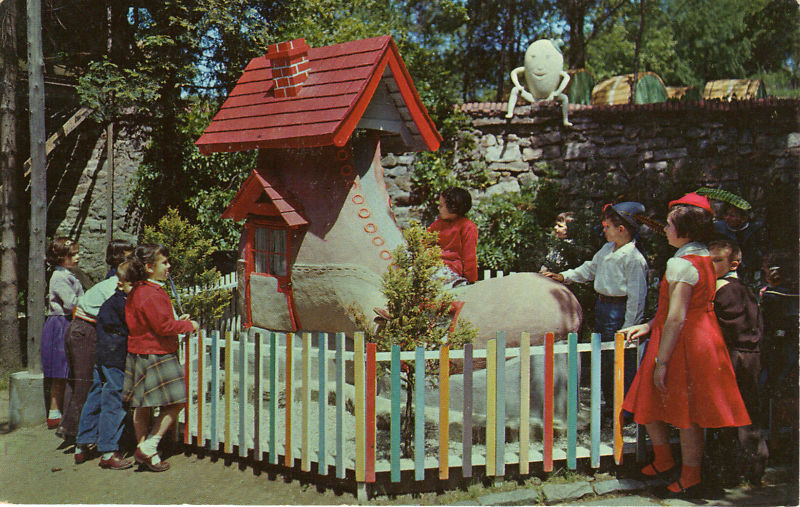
[685, 379]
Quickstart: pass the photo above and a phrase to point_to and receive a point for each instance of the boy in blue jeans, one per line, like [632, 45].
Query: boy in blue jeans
[619, 272]
[103, 413]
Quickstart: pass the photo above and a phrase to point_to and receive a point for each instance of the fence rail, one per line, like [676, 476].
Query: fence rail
[284, 396]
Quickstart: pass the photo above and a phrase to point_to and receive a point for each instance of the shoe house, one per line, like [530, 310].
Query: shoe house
[318, 224]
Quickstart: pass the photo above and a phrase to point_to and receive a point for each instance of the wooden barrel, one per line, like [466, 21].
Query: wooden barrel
[683, 93]
[616, 90]
[579, 89]
[734, 89]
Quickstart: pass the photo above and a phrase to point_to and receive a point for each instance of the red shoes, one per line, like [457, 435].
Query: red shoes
[147, 462]
[84, 454]
[53, 423]
[115, 462]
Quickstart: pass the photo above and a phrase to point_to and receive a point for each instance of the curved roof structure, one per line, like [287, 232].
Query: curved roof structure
[362, 84]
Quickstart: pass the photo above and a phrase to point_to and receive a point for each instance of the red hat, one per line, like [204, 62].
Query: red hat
[694, 199]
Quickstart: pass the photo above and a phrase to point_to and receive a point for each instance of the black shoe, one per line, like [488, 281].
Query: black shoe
[692, 492]
[667, 475]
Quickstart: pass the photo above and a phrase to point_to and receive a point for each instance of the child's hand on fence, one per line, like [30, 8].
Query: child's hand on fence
[195, 325]
[635, 332]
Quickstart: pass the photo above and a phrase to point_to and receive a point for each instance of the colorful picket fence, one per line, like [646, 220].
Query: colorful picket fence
[251, 393]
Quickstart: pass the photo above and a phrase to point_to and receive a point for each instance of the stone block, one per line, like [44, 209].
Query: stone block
[578, 150]
[618, 151]
[529, 154]
[390, 160]
[656, 166]
[488, 140]
[508, 152]
[551, 152]
[546, 138]
[671, 154]
[516, 497]
[609, 486]
[793, 140]
[397, 170]
[566, 492]
[504, 187]
[26, 405]
[527, 178]
[512, 166]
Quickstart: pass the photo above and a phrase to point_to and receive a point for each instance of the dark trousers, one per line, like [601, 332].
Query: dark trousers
[103, 413]
[608, 319]
[80, 342]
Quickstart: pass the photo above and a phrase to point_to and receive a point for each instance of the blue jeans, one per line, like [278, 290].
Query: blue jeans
[609, 318]
[103, 413]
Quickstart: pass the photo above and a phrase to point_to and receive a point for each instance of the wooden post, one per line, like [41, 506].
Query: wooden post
[110, 182]
[38, 224]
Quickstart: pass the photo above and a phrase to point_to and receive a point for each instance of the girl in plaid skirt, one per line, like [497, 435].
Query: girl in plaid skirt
[153, 373]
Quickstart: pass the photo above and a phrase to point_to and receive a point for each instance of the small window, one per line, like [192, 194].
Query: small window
[270, 251]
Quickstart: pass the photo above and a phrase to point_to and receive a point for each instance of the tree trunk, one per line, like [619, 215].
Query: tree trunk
[36, 255]
[575, 14]
[636, 49]
[109, 138]
[10, 350]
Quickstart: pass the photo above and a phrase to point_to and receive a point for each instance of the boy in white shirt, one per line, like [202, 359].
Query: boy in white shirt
[619, 272]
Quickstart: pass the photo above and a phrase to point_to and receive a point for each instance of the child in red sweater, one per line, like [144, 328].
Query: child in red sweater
[153, 373]
[458, 238]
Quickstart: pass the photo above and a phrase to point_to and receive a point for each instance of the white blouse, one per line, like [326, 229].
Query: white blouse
[682, 270]
[620, 272]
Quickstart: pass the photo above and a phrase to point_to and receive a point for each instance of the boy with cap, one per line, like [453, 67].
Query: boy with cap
[619, 272]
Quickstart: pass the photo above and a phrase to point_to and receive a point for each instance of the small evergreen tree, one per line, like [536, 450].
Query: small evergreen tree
[190, 259]
[420, 309]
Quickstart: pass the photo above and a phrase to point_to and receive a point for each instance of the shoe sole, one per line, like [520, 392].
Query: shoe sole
[110, 467]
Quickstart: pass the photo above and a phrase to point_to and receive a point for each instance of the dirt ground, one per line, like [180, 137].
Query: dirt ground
[34, 470]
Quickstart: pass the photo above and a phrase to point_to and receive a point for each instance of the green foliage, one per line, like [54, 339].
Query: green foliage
[417, 299]
[110, 89]
[190, 259]
[689, 42]
[512, 228]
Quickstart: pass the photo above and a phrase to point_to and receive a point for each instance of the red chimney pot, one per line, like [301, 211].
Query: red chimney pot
[290, 66]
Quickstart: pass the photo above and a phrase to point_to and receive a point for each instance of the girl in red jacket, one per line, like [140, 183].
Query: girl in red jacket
[153, 373]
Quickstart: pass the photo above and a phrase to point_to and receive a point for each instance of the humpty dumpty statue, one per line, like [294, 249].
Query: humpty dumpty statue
[544, 76]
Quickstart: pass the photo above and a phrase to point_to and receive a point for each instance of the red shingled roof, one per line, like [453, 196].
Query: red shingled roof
[342, 81]
[257, 196]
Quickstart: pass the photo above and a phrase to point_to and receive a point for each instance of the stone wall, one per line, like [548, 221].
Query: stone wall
[647, 152]
[78, 189]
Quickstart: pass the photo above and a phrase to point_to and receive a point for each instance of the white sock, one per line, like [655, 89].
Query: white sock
[107, 455]
[150, 445]
[54, 414]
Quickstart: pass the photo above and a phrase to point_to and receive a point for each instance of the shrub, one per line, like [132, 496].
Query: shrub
[190, 257]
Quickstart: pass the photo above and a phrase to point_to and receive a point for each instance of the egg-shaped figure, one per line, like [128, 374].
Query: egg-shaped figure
[543, 66]
[544, 76]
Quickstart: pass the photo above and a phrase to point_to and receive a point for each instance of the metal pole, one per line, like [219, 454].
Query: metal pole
[36, 271]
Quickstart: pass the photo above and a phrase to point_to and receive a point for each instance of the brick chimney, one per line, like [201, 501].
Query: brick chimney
[290, 66]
